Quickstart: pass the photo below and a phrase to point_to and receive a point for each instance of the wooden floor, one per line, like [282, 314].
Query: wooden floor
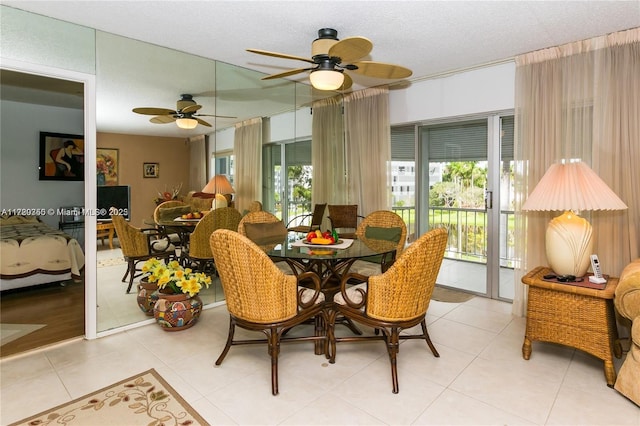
[61, 308]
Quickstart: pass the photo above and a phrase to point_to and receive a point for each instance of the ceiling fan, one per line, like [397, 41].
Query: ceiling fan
[184, 115]
[331, 57]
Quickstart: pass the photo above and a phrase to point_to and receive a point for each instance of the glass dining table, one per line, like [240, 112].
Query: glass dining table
[182, 227]
[330, 262]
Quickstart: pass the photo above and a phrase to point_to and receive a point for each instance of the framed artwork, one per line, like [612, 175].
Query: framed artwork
[61, 156]
[150, 170]
[107, 166]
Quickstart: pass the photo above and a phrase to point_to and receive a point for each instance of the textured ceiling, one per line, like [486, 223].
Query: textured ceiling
[429, 37]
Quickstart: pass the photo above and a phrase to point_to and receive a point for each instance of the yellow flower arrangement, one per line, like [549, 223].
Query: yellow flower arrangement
[174, 277]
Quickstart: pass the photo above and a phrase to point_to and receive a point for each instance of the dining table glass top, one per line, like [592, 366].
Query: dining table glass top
[359, 248]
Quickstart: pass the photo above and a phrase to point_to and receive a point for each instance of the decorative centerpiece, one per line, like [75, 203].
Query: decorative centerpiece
[168, 194]
[177, 305]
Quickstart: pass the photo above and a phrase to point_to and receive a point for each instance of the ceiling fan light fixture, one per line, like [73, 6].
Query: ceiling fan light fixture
[187, 123]
[326, 79]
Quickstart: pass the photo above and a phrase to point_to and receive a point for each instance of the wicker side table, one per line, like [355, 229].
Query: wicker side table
[582, 318]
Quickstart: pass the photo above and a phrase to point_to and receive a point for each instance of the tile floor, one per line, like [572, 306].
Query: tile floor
[480, 377]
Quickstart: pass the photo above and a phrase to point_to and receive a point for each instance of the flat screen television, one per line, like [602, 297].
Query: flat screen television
[114, 200]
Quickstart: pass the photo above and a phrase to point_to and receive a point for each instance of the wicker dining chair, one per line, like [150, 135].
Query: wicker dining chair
[344, 218]
[178, 207]
[199, 252]
[270, 228]
[262, 298]
[139, 245]
[382, 225]
[315, 217]
[393, 301]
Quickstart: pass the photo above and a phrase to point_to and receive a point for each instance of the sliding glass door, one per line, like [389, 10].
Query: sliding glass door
[466, 187]
[287, 190]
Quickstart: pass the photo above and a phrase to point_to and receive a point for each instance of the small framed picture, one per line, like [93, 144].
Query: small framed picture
[150, 170]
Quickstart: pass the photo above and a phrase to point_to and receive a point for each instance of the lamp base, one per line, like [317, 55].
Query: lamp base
[569, 243]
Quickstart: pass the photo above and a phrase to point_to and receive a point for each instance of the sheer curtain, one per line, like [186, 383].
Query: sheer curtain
[580, 100]
[368, 148]
[327, 152]
[198, 160]
[247, 148]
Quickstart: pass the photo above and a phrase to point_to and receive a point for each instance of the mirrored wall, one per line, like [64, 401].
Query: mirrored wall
[130, 74]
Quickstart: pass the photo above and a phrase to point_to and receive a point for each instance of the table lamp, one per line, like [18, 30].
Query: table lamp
[219, 184]
[571, 187]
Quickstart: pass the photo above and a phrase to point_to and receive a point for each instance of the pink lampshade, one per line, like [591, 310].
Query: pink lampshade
[572, 186]
[219, 184]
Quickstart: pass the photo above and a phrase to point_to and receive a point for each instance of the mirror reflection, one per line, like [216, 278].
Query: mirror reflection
[141, 163]
[132, 74]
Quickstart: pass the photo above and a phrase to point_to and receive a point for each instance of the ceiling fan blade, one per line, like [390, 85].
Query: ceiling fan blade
[213, 115]
[154, 111]
[286, 73]
[162, 119]
[190, 109]
[381, 70]
[204, 123]
[351, 49]
[347, 83]
[280, 55]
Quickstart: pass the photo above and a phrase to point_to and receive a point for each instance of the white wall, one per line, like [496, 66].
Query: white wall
[20, 150]
[477, 91]
[466, 93]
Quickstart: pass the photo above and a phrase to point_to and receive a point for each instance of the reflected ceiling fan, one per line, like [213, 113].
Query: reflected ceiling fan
[332, 57]
[184, 115]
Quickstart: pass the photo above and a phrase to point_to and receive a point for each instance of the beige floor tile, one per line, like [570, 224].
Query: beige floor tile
[484, 319]
[514, 390]
[460, 336]
[331, 410]
[19, 369]
[371, 390]
[581, 406]
[415, 359]
[248, 400]
[32, 396]
[453, 408]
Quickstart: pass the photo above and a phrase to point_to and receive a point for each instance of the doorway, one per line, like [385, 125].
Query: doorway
[467, 187]
[55, 99]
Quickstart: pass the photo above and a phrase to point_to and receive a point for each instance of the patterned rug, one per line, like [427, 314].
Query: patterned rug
[144, 399]
[115, 261]
[448, 295]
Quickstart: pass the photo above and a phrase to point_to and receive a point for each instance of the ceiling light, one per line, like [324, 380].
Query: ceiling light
[326, 79]
[187, 123]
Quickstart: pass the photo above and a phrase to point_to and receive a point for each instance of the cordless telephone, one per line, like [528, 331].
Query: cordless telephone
[597, 273]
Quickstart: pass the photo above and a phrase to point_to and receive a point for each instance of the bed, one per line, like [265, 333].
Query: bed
[33, 253]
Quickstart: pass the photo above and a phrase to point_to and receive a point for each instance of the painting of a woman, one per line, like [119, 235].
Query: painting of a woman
[67, 160]
[61, 156]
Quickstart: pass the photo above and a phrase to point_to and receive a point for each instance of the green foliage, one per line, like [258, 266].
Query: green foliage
[466, 173]
[462, 186]
[443, 194]
[300, 180]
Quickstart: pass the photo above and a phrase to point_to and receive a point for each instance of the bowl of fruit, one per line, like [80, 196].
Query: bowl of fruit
[319, 238]
[191, 216]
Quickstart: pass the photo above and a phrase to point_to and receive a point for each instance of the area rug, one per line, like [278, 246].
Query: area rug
[11, 332]
[115, 261]
[448, 295]
[144, 399]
